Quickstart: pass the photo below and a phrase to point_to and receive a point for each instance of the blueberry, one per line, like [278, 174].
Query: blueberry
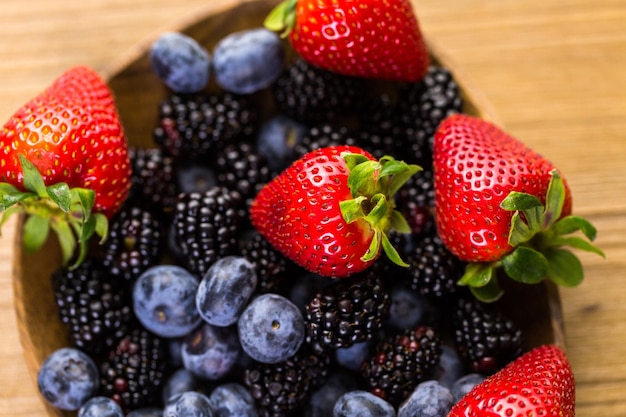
[164, 299]
[175, 349]
[67, 378]
[180, 62]
[276, 141]
[150, 411]
[181, 380]
[189, 404]
[271, 328]
[353, 356]
[407, 308]
[195, 178]
[362, 404]
[225, 290]
[322, 400]
[464, 384]
[450, 367]
[100, 407]
[248, 61]
[233, 400]
[428, 399]
[210, 351]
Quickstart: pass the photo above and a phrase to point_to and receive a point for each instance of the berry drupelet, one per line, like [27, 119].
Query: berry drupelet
[485, 339]
[135, 370]
[348, 311]
[95, 308]
[206, 227]
[400, 362]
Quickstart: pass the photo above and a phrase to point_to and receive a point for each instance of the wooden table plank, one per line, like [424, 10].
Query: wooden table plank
[554, 70]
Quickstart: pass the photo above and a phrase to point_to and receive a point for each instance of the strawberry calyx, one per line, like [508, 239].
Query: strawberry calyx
[539, 237]
[57, 207]
[372, 185]
[282, 18]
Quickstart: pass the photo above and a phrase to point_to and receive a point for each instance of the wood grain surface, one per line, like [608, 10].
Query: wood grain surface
[555, 71]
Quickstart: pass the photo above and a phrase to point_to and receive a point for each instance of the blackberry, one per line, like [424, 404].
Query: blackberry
[377, 143]
[133, 245]
[426, 103]
[400, 362]
[310, 94]
[280, 389]
[433, 270]
[273, 269]
[134, 372]
[206, 227]
[153, 181]
[193, 127]
[321, 136]
[95, 308]
[485, 339]
[239, 167]
[347, 312]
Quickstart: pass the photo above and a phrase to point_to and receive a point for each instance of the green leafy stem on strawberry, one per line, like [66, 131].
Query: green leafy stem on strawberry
[372, 185]
[539, 236]
[67, 211]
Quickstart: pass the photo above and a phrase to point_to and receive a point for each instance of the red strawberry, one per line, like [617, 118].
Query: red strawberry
[330, 210]
[498, 203]
[63, 155]
[364, 38]
[538, 383]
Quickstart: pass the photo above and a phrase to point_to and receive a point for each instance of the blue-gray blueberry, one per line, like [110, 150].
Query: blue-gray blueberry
[233, 400]
[100, 407]
[210, 352]
[164, 300]
[180, 62]
[225, 290]
[67, 378]
[362, 404]
[189, 404]
[271, 328]
[248, 61]
[428, 399]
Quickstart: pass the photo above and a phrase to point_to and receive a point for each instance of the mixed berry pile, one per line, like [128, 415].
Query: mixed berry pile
[186, 309]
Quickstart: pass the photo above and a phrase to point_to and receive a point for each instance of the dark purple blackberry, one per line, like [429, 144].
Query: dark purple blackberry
[349, 311]
[273, 269]
[377, 143]
[310, 94]
[433, 270]
[400, 362]
[280, 389]
[425, 104]
[133, 245]
[239, 167]
[321, 136]
[153, 181]
[485, 339]
[95, 308]
[198, 126]
[135, 370]
[206, 227]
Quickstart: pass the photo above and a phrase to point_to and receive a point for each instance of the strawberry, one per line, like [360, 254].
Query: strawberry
[331, 209]
[498, 203]
[65, 162]
[363, 38]
[538, 383]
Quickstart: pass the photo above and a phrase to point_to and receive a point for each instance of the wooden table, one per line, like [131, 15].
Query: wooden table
[554, 70]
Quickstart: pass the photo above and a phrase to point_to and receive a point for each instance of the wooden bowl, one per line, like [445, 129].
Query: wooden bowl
[138, 91]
